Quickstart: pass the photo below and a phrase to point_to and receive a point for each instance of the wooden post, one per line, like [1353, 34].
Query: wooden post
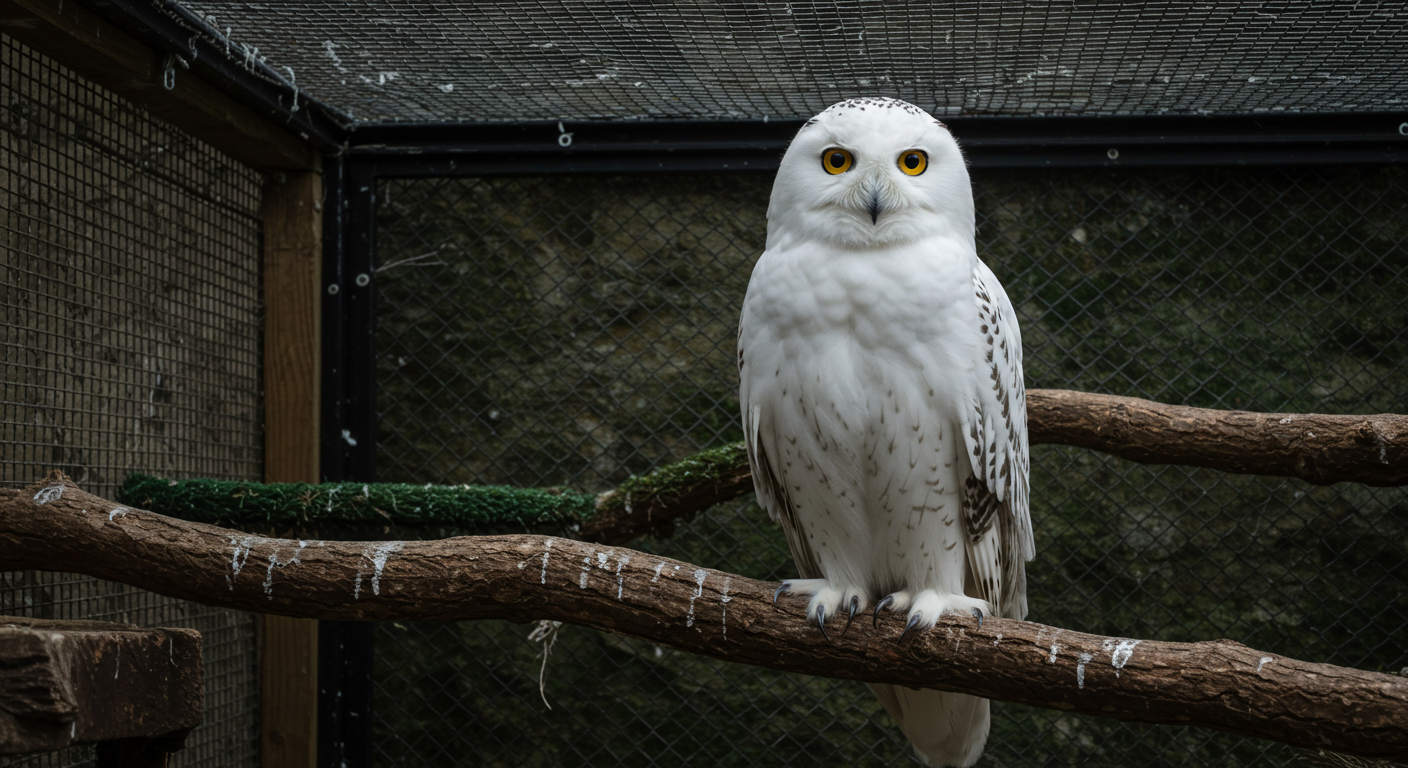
[292, 213]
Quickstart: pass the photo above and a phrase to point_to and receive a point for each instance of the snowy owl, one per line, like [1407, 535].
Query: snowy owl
[880, 372]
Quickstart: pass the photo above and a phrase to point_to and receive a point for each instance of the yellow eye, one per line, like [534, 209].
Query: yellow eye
[913, 162]
[836, 160]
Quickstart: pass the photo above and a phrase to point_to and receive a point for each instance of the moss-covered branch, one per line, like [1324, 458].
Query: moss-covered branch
[302, 506]
[1318, 448]
[654, 501]
[1220, 684]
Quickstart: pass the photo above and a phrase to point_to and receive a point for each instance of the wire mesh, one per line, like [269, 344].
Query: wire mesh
[129, 341]
[567, 330]
[398, 60]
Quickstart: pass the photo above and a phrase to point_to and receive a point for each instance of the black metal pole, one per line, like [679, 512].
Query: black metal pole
[550, 148]
[346, 650]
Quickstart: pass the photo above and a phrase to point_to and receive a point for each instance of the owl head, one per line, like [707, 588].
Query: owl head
[871, 173]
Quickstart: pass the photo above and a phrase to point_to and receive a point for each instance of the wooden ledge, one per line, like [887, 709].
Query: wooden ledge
[79, 682]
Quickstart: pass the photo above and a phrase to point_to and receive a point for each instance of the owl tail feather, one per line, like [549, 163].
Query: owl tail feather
[946, 729]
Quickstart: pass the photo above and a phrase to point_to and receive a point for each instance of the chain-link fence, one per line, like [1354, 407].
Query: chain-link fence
[569, 330]
[129, 341]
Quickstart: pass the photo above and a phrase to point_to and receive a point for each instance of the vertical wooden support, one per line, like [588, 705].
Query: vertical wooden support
[292, 212]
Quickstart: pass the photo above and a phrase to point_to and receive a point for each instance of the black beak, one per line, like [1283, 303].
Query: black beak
[874, 206]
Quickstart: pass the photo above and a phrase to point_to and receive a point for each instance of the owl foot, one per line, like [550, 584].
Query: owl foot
[826, 600]
[895, 601]
[851, 616]
[930, 604]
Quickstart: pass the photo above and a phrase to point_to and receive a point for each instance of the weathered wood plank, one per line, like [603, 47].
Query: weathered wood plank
[78, 682]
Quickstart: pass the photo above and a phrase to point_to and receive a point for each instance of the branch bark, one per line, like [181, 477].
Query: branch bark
[1317, 448]
[1219, 684]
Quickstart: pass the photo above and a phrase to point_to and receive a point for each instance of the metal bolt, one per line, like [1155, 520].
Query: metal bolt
[363, 280]
[1113, 154]
[332, 289]
[1403, 129]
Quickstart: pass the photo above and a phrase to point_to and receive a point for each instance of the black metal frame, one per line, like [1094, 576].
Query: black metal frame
[460, 150]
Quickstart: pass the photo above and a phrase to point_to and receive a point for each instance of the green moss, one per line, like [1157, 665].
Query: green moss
[472, 508]
[678, 479]
[467, 508]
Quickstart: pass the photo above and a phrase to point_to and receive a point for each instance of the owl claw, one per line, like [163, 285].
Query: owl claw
[913, 622]
[785, 586]
[885, 602]
[821, 620]
[855, 605]
[978, 612]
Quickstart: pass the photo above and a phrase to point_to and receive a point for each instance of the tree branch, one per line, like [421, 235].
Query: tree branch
[1314, 447]
[651, 503]
[1221, 684]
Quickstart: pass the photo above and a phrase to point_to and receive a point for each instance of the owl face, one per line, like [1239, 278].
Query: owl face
[869, 173]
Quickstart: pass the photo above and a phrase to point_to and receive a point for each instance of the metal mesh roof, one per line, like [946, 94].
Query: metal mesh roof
[390, 61]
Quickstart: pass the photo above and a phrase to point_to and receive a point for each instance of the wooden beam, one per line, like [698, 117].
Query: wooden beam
[80, 682]
[81, 41]
[288, 693]
[292, 214]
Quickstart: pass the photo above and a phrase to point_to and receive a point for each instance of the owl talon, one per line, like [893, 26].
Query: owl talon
[855, 606]
[785, 586]
[978, 612]
[821, 621]
[885, 602]
[913, 622]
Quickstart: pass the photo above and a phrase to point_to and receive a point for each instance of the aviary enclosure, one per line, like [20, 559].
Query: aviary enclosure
[396, 243]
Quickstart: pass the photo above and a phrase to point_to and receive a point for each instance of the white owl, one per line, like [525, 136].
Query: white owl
[880, 372]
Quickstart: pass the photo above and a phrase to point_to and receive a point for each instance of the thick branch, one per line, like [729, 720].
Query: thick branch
[1318, 448]
[1217, 684]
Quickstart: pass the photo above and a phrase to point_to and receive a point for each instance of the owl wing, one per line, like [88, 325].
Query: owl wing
[996, 513]
[759, 436]
[772, 493]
